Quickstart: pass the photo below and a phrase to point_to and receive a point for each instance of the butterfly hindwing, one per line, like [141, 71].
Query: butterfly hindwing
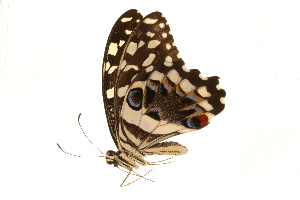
[166, 101]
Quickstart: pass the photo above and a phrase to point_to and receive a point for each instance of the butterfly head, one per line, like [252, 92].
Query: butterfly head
[110, 158]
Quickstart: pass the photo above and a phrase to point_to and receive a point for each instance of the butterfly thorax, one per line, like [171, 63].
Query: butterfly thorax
[125, 159]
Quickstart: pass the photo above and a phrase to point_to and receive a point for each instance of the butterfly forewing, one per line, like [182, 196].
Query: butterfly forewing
[114, 52]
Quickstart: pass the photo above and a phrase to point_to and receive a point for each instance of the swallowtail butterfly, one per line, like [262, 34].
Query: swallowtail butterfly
[149, 94]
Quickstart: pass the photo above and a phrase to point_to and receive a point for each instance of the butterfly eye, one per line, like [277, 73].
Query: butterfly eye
[110, 153]
[135, 98]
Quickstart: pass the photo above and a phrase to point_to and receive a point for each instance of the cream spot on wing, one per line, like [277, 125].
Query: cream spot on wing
[150, 34]
[132, 47]
[170, 33]
[141, 43]
[110, 93]
[149, 60]
[178, 55]
[112, 69]
[162, 15]
[203, 91]
[157, 76]
[186, 86]
[148, 124]
[164, 35]
[122, 91]
[130, 115]
[167, 23]
[153, 43]
[168, 46]
[218, 87]
[150, 21]
[185, 68]
[222, 100]
[149, 69]
[126, 19]
[137, 21]
[203, 77]
[128, 32]
[161, 25]
[107, 66]
[167, 64]
[168, 61]
[121, 43]
[128, 67]
[204, 104]
[168, 128]
[137, 84]
[174, 44]
[173, 75]
[113, 49]
[123, 64]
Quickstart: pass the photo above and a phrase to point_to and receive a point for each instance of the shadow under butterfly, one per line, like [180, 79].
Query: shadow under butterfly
[149, 94]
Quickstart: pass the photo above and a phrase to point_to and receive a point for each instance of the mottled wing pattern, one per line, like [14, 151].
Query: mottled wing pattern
[162, 98]
[114, 52]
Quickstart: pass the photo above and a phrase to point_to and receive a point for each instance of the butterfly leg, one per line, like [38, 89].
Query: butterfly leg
[131, 172]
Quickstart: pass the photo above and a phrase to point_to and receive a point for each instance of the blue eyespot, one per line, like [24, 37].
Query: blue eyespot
[193, 122]
[155, 113]
[135, 98]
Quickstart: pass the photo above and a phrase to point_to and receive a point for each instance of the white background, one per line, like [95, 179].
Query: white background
[51, 56]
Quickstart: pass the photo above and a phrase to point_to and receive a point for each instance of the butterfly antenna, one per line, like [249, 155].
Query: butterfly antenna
[87, 136]
[66, 152]
[70, 153]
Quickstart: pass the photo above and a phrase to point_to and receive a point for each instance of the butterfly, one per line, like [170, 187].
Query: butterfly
[149, 94]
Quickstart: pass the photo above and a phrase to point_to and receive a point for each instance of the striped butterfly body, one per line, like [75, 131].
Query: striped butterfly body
[149, 94]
